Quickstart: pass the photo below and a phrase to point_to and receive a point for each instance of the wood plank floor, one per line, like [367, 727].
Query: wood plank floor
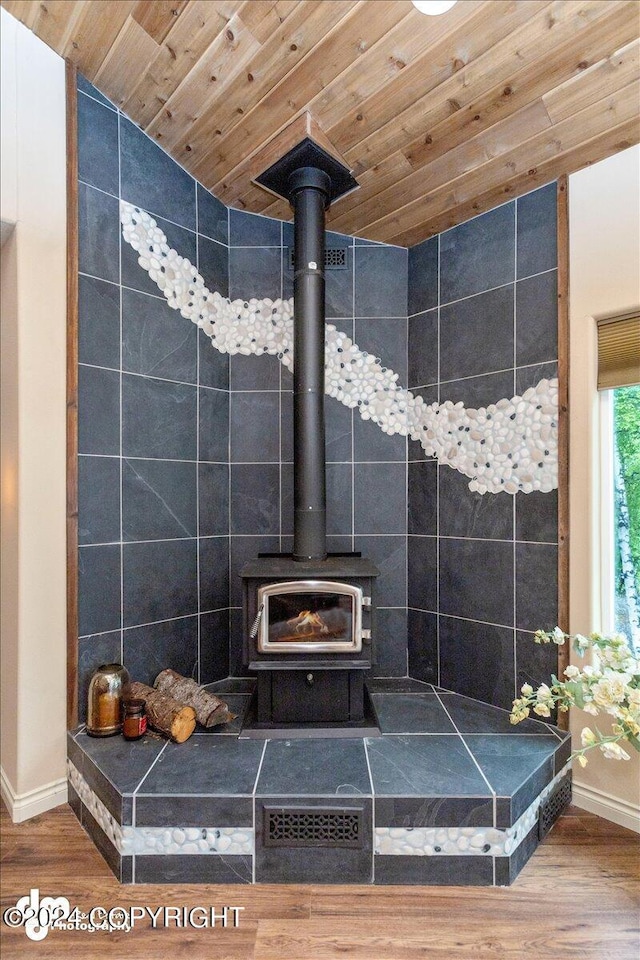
[578, 898]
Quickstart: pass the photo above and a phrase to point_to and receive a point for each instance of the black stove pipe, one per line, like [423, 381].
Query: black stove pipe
[309, 193]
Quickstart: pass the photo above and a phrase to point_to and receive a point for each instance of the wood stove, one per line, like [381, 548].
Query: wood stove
[309, 638]
[308, 617]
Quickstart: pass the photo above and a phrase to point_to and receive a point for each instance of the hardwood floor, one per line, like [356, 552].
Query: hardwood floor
[577, 899]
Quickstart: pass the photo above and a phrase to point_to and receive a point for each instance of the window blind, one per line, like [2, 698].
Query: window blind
[619, 352]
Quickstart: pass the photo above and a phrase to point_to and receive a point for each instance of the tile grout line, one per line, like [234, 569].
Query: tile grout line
[280, 372]
[253, 800]
[230, 618]
[164, 747]
[133, 858]
[373, 813]
[89, 96]
[484, 373]
[406, 506]
[121, 411]
[515, 378]
[438, 664]
[479, 293]
[187, 383]
[493, 793]
[152, 213]
[153, 623]
[199, 666]
[431, 536]
[150, 376]
[353, 416]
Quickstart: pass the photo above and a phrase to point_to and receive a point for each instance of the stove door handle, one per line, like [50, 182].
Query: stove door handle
[256, 623]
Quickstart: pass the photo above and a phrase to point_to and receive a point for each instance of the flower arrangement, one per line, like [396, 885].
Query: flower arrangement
[611, 685]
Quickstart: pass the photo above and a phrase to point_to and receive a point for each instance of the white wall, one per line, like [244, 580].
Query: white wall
[604, 231]
[33, 647]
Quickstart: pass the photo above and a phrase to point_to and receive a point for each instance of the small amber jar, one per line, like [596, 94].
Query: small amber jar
[108, 687]
[134, 724]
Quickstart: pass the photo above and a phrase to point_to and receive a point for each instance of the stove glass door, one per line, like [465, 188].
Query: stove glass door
[310, 616]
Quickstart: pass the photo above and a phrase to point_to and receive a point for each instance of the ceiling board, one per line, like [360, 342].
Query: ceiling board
[440, 118]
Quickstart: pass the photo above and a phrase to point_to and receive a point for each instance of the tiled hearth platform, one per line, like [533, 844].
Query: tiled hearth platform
[449, 794]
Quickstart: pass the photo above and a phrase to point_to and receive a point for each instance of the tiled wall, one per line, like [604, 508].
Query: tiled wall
[186, 455]
[153, 419]
[366, 470]
[482, 569]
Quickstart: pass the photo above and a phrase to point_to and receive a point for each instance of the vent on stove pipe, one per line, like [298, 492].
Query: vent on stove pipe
[309, 192]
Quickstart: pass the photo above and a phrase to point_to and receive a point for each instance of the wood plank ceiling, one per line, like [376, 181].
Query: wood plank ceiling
[439, 117]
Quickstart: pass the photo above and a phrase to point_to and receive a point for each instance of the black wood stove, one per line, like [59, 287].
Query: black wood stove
[308, 616]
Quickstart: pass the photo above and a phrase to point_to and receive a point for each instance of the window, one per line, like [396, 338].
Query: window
[619, 385]
[626, 512]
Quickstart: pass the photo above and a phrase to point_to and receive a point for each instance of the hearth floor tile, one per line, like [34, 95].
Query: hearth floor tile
[314, 768]
[114, 767]
[517, 767]
[205, 765]
[123, 762]
[426, 766]
[411, 713]
[473, 716]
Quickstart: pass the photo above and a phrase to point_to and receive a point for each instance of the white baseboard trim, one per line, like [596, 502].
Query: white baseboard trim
[605, 805]
[26, 805]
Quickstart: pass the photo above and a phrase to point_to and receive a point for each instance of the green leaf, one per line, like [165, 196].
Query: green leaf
[634, 741]
[575, 689]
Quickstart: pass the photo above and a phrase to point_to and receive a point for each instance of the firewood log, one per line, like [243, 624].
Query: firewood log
[210, 710]
[164, 713]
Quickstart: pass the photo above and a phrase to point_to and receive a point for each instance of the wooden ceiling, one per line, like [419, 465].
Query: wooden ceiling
[439, 117]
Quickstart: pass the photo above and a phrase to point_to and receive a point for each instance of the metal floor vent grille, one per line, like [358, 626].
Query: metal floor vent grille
[335, 258]
[312, 827]
[553, 806]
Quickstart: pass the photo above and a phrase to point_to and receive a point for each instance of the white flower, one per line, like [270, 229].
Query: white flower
[542, 710]
[527, 689]
[582, 642]
[633, 697]
[590, 708]
[558, 635]
[544, 693]
[582, 760]
[572, 672]
[588, 737]
[610, 690]
[613, 751]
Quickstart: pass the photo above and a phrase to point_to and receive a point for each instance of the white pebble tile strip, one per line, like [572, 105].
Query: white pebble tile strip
[453, 841]
[95, 806]
[510, 446]
[161, 840]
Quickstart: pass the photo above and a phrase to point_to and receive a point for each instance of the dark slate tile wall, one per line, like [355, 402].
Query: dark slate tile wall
[366, 470]
[482, 568]
[153, 419]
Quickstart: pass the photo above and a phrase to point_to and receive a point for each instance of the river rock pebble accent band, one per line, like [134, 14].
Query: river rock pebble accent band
[509, 446]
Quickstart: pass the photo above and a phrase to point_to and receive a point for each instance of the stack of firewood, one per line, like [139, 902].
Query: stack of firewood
[175, 703]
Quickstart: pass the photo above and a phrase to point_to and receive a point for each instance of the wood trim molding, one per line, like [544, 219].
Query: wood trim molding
[563, 427]
[72, 395]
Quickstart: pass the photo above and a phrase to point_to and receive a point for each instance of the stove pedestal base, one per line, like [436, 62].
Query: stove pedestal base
[310, 696]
